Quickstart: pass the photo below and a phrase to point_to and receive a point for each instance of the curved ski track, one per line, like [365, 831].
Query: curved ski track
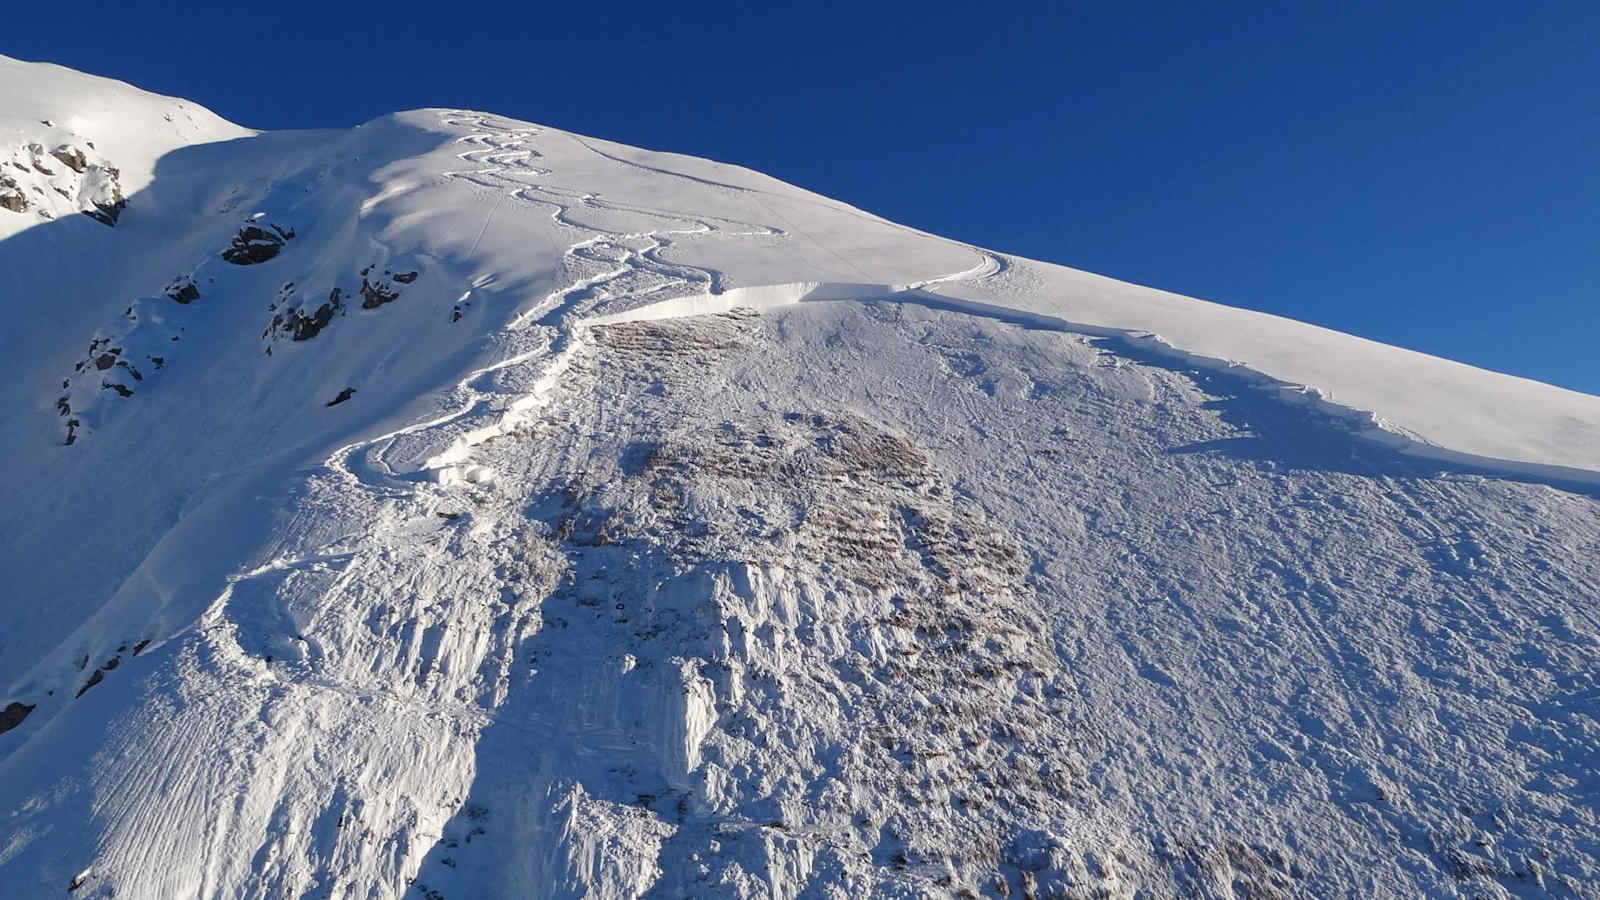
[556, 326]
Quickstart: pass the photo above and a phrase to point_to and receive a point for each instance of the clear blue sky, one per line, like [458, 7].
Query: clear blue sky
[1424, 174]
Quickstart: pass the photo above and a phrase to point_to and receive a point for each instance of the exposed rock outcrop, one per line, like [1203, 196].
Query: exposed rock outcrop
[301, 322]
[374, 292]
[254, 245]
[11, 195]
[183, 289]
[71, 157]
[303, 327]
[12, 715]
[67, 179]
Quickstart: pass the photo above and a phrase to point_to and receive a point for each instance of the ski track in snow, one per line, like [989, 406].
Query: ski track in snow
[883, 496]
[559, 323]
[557, 326]
[506, 161]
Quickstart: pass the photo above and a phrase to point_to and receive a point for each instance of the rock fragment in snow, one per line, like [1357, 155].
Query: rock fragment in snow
[13, 714]
[71, 157]
[183, 289]
[254, 245]
[374, 293]
[11, 195]
[95, 678]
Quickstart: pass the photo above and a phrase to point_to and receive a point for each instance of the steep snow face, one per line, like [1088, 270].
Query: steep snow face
[456, 507]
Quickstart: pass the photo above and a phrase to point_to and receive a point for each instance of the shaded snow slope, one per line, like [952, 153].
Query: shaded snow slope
[62, 130]
[452, 507]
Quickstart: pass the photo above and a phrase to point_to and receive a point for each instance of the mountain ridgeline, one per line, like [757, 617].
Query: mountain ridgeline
[452, 506]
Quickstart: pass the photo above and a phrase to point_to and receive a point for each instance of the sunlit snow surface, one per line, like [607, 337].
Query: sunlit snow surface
[681, 533]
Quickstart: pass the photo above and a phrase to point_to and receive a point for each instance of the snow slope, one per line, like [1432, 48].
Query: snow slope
[71, 121]
[452, 506]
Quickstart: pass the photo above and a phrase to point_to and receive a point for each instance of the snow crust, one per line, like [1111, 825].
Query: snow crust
[461, 507]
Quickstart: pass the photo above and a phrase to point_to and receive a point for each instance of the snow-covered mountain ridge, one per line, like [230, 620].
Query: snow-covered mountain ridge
[453, 506]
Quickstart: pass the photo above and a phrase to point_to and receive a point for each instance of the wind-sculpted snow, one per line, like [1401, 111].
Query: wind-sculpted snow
[552, 518]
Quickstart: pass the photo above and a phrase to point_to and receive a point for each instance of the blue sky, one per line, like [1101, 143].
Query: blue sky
[1424, 174]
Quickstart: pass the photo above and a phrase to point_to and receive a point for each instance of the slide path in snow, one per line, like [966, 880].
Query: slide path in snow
[609, 265]
[613, 265]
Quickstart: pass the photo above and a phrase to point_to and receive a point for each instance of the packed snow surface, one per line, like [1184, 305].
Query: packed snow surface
[458, 507]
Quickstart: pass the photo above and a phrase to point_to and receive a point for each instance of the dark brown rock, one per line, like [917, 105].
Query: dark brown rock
[183, 290]
[374, 295]
[12, 715]
[303, 327]
[254, 245]
[11, 196]
[94, 679]
[107, 214]
[71, 157]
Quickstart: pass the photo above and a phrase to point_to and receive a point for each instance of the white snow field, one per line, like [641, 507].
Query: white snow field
[454, 507]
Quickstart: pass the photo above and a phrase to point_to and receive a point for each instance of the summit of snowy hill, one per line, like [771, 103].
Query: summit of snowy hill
[71, 142]
[452, 506]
